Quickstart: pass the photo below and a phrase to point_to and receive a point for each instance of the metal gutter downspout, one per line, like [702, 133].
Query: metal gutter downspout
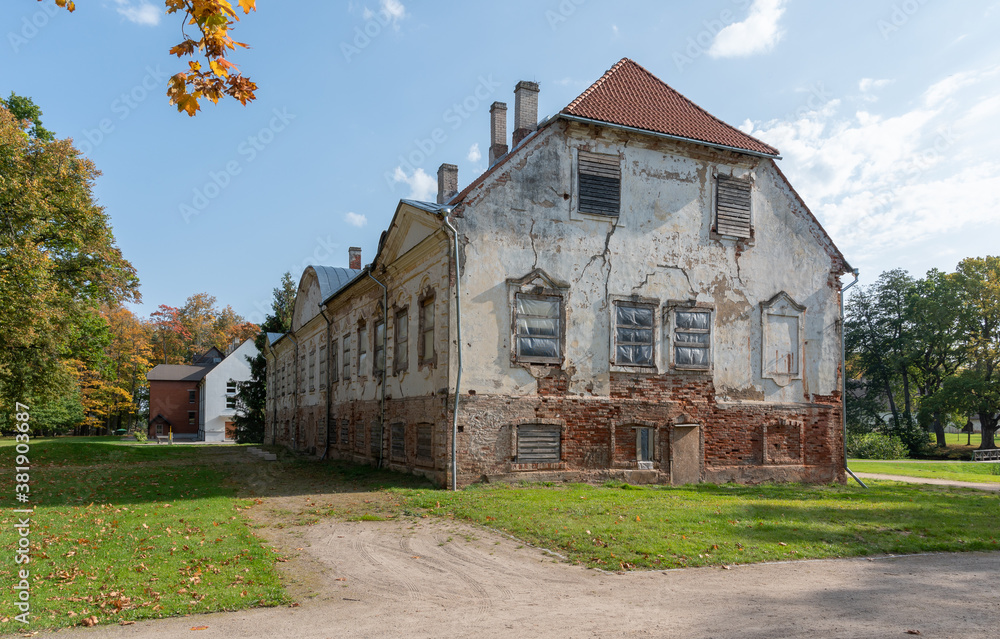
[843, 374]
[329, 384]
[385, 358]
[458, 327]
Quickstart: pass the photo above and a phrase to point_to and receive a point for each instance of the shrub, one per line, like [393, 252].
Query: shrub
[875, 446]
[140, 436]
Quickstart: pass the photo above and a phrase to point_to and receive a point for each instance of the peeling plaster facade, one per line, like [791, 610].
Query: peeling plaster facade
[764, 406]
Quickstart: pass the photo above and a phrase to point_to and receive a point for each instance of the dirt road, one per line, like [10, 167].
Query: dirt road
[434, 578]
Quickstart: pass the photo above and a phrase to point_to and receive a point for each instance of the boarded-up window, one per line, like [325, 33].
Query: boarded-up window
[634, 339]
[732, 206]
[599, 180]
[375, 440]
[359, 437]
[347, 357]
[334, 368]
[538, 444]
[397, 441]
[425, 442]
[362, 349]
[692, 338]
[426, 343]
[379, 349]
[345, 432]
[401, 352]
[537, 334]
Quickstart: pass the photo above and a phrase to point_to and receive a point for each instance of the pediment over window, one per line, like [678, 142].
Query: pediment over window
[537, 279]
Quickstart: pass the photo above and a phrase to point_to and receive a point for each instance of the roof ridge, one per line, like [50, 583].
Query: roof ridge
[620, 97]
[597, 83]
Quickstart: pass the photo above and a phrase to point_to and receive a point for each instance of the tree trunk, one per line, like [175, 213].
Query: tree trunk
[988, 423]
[892, 406]
[939, 430]
[906, 399]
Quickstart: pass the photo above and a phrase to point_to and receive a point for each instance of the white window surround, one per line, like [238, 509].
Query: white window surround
[781, 339]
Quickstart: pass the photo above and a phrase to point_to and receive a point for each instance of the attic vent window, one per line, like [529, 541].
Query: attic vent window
[599, 181]
[732, 206]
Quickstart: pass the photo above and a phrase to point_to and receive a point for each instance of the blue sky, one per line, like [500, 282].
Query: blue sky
[887, 114]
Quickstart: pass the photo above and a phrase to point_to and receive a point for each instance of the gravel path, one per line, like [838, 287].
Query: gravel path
[434, 578]
[993, 487]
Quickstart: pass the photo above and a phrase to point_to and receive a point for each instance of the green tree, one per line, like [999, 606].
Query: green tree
[879, 338]
[251, 397]
[58, 261]
[976, 387]
[934, 317]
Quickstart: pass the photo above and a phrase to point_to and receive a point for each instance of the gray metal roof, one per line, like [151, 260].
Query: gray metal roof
[274, 337]
[178, 372]
[430, 207]
[332, 278]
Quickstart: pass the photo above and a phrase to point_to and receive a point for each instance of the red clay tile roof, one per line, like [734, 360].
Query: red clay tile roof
[629, 95]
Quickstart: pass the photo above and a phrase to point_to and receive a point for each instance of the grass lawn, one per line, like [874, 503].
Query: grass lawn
[981, 472]
[960, 439]
[625, 527]
[125, 532]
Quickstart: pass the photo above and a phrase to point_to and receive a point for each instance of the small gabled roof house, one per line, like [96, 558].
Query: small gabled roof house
[632, 289]
[196, 402]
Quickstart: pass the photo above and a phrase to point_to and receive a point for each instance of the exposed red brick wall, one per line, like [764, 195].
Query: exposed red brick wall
[170, 399]
[745, 442]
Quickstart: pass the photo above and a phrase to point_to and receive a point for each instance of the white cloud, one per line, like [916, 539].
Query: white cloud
[899, 186]
[140, 12]
[759, 33]
[356, 219]
[867, 84]
[474, 154]
[423, 187]
[389, 11]
[614, 30]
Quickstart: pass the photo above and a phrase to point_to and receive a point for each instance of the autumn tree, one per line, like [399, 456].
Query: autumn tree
[251, 398]
[58, 259]
[181, 334]
[210, 22]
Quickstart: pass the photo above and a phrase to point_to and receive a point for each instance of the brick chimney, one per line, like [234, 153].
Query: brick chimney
[447, 183]
[354, 258]
[525, 110]
[498, 131]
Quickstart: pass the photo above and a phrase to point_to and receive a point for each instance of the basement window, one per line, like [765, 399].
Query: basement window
[397, 441]
[599, 183]
[345, 432]
[375, 440]
[634, 335]
[732, 206]
[537, 328]
[538, 444]
[644, 444]
[425, 443]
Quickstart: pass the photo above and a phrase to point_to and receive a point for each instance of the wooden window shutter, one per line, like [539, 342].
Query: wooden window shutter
[600, 179]
[732, 206]
[538, 444]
